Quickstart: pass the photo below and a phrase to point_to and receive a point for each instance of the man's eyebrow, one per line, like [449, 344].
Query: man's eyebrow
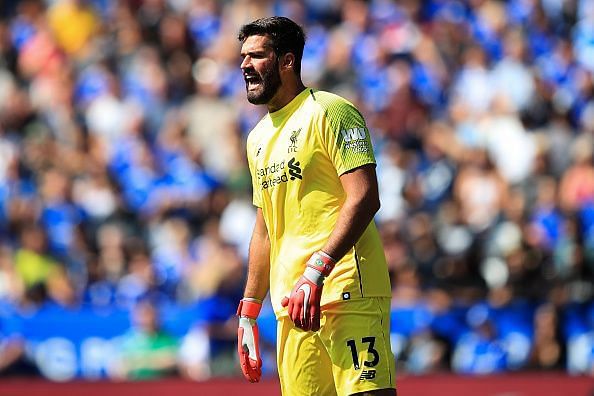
[253, 52]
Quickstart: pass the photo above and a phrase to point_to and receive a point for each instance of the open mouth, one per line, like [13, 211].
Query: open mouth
[252, 81]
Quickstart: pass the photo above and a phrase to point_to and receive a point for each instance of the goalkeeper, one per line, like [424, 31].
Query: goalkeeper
[314, 244]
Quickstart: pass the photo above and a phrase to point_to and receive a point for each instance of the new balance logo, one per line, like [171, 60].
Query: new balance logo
[367, 375]
[353, 134]
[294, 169]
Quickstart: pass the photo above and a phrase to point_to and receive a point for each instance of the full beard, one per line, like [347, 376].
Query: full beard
[269, 84]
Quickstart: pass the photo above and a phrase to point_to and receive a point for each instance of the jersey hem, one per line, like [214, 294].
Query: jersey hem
[331, 304]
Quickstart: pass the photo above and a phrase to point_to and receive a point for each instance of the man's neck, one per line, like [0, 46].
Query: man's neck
[284, 95]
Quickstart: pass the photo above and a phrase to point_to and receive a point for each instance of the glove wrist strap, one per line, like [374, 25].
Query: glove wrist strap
[249, 308]
[321, 262]
[314, 276]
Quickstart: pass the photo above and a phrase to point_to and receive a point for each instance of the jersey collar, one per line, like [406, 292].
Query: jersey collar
[283, 112]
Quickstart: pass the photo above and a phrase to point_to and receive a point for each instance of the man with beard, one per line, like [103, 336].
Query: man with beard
[314, 245]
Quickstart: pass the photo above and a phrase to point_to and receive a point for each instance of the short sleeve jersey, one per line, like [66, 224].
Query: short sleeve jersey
[296, 156]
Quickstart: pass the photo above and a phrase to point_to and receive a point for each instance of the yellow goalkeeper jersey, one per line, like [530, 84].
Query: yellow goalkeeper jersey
[296, 156]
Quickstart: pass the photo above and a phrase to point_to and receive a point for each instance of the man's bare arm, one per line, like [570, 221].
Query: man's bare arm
[258, 279]
[361, 204]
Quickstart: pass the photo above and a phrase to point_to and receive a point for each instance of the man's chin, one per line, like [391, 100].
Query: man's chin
[256, 98]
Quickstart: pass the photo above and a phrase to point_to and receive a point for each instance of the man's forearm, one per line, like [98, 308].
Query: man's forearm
[361, 204]
[353, 219]
[258, 280]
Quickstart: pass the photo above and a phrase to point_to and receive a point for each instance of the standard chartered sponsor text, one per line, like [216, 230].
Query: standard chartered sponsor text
[271, 169]
[270, 175]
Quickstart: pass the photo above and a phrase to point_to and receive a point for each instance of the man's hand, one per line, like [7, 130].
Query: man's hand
[304, 301]
[247, 339]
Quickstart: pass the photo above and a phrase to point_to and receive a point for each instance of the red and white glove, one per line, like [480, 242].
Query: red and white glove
[304, 301]
[247, 339]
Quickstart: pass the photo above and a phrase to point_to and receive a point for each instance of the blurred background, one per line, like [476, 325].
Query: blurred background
[125, 198]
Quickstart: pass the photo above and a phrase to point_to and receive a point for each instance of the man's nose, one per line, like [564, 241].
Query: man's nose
[245, 63]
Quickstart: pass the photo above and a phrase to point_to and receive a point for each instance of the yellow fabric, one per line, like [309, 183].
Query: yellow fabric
[72, 25]
[33, 268]
[296, 156]
[322, 363]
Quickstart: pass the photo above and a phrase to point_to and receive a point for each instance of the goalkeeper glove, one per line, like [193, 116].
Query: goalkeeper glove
[304, 301]
[247, 339]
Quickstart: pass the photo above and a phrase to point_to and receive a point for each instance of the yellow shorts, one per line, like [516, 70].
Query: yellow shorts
[349, 354]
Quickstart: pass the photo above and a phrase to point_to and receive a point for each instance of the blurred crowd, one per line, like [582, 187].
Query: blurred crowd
[123, 176]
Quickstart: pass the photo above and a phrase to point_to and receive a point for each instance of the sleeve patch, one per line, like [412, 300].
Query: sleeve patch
[354, 140]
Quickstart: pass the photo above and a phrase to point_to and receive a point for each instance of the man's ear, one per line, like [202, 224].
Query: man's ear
[288, 61]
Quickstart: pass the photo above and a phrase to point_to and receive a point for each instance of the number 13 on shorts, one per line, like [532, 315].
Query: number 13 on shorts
[350, 354]
[375, 356]
[361, 346]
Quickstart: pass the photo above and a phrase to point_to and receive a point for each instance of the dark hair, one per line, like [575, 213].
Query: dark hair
[286, 36]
